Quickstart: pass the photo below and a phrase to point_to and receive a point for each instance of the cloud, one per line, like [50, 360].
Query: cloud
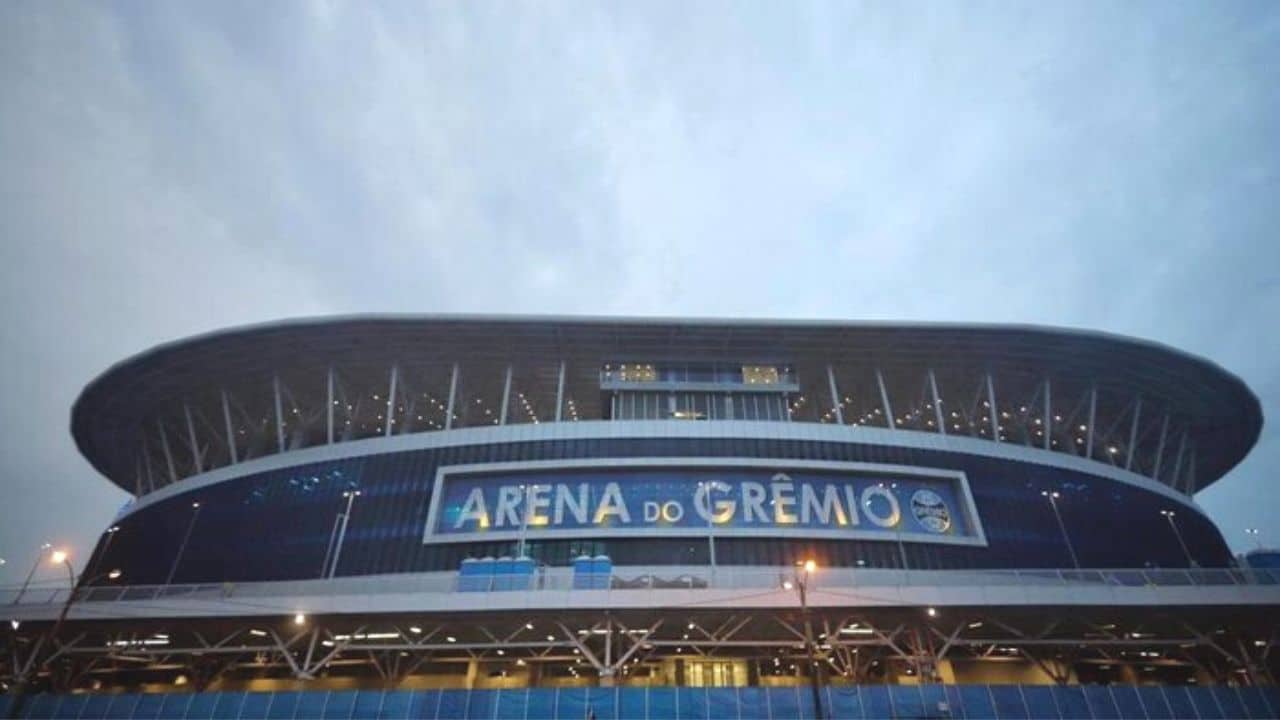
[176, 168]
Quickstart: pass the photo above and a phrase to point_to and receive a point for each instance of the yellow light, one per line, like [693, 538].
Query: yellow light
[810, 566]
[299, 619]
[58, 557]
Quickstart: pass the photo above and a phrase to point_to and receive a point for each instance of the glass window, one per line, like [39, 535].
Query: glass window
[760, 375]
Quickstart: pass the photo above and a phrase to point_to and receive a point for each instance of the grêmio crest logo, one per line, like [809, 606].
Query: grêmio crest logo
[692, 498]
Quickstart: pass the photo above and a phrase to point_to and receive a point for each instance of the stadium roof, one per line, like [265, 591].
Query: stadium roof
[1220, 415]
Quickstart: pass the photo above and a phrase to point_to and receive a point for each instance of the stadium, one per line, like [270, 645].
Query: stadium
[526, 517]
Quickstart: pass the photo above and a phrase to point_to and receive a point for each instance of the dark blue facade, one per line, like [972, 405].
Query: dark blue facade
[278, 525]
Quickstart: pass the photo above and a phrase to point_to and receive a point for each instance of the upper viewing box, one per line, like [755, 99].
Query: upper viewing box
[188, 407]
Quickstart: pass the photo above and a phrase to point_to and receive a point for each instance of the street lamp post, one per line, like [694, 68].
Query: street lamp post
[1168, 515]
[1053, 503]
[58, 557]
[195, 514]
[106, 545]
[800, 583]
[351, 496]
[34, 566]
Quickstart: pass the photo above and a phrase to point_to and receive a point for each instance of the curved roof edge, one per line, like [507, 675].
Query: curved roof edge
[98, 390]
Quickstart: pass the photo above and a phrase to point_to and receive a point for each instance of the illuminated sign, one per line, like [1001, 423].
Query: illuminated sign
[696, 496]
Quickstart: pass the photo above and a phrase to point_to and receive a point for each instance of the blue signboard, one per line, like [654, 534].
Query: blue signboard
[692, 498]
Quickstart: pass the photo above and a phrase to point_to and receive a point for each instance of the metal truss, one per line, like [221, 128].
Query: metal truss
[1236, 646]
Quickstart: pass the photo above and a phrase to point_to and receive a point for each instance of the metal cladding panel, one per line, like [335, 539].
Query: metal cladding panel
[282, 524]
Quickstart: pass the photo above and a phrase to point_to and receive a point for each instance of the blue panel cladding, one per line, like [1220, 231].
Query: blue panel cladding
[395, 705]
[255, 706]
[1040, 702]
[1008, 701]
[972, 702]
[238, 536]
[753, 704]
[424, 703]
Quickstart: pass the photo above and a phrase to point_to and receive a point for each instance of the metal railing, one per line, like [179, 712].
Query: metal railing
[649, 578]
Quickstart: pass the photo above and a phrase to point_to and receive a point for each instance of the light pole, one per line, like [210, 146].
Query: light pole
[711, 536]
[111, 535]
[173, 569]
[1254, 532]
[800, 583]
[1168, 515]
[58, 557]
[34, 566]
[1053, 503]
[351, 496]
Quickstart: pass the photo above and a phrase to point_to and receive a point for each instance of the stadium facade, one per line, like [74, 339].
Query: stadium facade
[573, 517]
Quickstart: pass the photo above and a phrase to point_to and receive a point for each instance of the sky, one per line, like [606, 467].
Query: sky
[174, 167]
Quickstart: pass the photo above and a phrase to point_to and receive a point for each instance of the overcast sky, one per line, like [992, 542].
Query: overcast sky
[170, 168]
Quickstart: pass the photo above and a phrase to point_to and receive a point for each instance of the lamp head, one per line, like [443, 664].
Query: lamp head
[58, 557]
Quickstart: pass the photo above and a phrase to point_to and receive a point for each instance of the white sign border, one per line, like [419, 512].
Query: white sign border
[978, 538]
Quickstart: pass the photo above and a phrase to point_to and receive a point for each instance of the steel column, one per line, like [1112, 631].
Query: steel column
[1164, 431]
[453, 394]
[884, 400]
[1093, 414]
[275, 388]
[835, 394]
[191, 438]
[391, 401]
[506, 396]
[1133, 432]
[1177, 460]
[560, 392]
[146, 462]
[1048, 417]
[168, 455]
[329, 405]
[231, 435]
[937, 403]
[991, 407]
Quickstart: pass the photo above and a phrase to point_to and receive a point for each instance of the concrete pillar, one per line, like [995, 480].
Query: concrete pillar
[473, 673]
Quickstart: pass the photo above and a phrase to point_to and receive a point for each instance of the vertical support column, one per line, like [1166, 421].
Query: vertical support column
[1191, 472]
[275, 388]
[506, 396]
[168, 455]
[391, 401]
[1093, 416]
[938, 415]
[1048, 417]
[560, 393]
[453, 395]
[146, 462]
[1164, 431]
[231, 433]
[1177, 460]
[1133, 433]
[329, 402]
[991, 407]
[884, 400]
[835, 394]
[191, 438]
